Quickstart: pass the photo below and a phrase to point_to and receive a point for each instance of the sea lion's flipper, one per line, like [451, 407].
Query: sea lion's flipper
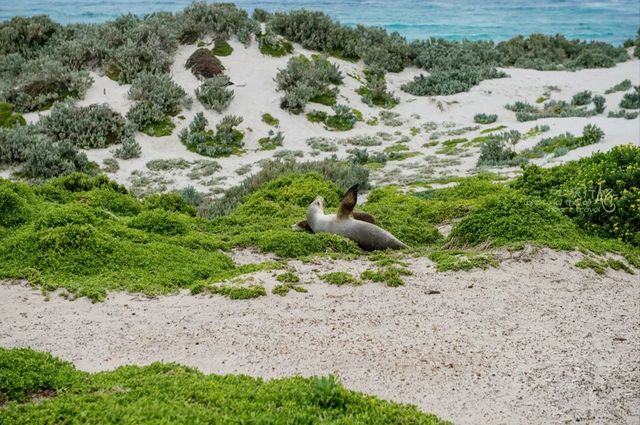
[363, 216]
[348, 202]
[303, 226]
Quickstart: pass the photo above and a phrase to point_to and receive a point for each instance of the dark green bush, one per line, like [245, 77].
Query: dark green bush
[46, 159]
[13, 208]
[172, 202]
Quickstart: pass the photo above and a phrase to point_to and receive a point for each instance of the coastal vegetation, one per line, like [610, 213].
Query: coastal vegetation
[225, 141]
[306, 80]
[37, 388]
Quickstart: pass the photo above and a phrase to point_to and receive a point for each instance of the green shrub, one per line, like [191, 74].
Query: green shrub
[218, 19]
[599, 193]
[95, 126]
[514, 218]
[495, 152]
[304, 79]
[342, 174]
[565, 142]
[598, 102]
[450, 81]
[159, 90]
[631, 100]
[374, 92]
[129, 149]
[213, 93]
[221, 48]
[227, 140]
[581, 98]
[407, 217]
[160, 221]
[555, 109]
[15, 144]
[42, 82]
[172, 202]
[13, 209]
[343, 119]
[46, 159]
[547, 52]
[623, 114]
[272, 141]
[485, 119]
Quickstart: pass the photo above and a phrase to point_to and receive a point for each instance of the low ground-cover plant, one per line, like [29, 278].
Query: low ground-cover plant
[623, 114]
[221, 47]
[484, 118]
[135, 394]
[9, 118]
[225, 141]
[623, 85]
[343, 119]
[559, 108]
[272, 45]
[272, 141]
[560, 145]
[269, 119]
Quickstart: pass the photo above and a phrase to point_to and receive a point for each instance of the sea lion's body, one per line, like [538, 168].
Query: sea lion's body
[367, 235]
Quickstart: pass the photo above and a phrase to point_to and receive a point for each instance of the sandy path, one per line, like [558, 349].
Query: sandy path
[536, 341]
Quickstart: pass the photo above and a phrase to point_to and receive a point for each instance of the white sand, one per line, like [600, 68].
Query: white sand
[535, 341]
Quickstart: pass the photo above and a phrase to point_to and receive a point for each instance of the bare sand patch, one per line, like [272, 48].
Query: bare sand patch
[534, 341]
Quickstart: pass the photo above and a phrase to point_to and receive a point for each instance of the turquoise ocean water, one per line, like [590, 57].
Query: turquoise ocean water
[612, 21]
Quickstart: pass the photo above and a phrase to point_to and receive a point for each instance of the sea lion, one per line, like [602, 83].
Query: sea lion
[357, 215]
[368, 236]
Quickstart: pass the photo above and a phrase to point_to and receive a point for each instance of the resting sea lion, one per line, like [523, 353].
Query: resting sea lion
[368, 236]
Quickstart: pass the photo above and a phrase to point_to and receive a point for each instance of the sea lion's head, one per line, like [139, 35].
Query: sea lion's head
[317, 204]
[316, 208]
